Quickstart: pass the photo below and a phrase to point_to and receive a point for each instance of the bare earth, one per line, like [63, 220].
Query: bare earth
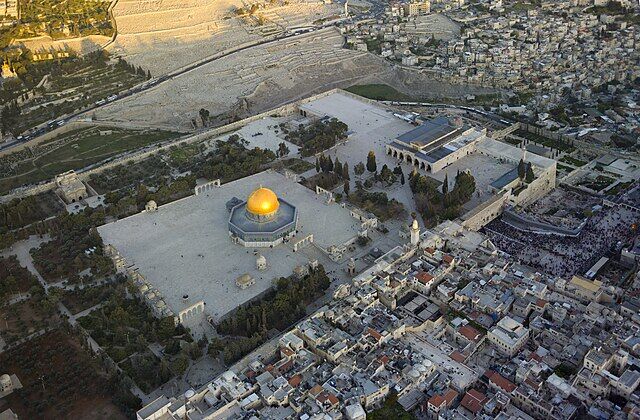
[264, 77]
[164, 35]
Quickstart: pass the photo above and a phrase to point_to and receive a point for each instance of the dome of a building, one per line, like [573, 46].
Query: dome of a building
[262, 201]
[245, 278]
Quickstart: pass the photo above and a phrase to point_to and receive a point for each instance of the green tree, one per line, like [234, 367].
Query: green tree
[522, 169]
[283, 150]
[529, 175]
[359, 169]
[346, 187]
[204, 116]
[371, 162]
[345, 172]
[337, 167]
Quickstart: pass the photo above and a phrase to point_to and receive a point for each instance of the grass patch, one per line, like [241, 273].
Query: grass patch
[380, 92]
[326, 180]
[391, 409]
[573, 161]
[298, 165]
[565, 168]
[599, 183]
[377, 203]
[61, 380]
[78, 150]
[79, 300]
[620, 187]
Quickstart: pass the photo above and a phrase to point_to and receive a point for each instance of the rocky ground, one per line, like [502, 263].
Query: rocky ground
[164, 35]
[265, 77]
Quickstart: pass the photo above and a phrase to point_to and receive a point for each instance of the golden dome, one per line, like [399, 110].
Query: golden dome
[262, 201]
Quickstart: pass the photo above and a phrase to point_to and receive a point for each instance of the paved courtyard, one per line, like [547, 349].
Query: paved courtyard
[485, 170]
[263, 133]
[184, 247]
[372, 127]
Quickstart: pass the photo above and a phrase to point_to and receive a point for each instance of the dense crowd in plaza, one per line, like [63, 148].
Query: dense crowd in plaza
[565, 255]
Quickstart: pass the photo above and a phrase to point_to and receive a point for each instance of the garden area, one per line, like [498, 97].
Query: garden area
[82, 299]
[73, 83]
[317, 136]
[59, 20]
[125, 328]
[619, 188]
[377, 203]
[598, 183]
[21, 212]
[60, 380]
[546, 141]
[15, 278]
[573, 161]
[22, 319]
[76, 150]
[436, 203]
[296, 165]
[247, 327]
[74, 248]
[391, 409]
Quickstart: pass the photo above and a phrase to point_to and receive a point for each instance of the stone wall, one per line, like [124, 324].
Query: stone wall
[128, 158]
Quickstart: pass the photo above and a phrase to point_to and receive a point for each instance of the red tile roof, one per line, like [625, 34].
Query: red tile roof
[437, 401]
[424, 277]
[295, 380]
[327, 396]
[286, 367]
[541, 303]
[315, 390]
[501, 382]
[457, 356]
[375, 334]
[473, 401]
[450, 395]
[469, 333]
[286, 351]
[447, 258]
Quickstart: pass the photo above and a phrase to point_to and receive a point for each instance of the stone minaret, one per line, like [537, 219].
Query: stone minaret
[415, 233]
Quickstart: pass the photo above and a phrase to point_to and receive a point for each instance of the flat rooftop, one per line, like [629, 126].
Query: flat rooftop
[184, 247]
[431, 131]
[497, 148]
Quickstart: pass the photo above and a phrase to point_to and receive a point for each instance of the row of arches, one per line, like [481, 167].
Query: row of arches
[207, 187]
[192, 312]
[409, 158]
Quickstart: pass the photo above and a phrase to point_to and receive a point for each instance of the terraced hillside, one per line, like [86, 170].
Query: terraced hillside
[164, 35]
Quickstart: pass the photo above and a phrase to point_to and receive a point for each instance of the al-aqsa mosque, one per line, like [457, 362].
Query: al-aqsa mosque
[264, 220]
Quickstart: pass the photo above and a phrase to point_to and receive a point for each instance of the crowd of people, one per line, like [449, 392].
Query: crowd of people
[564, 256]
